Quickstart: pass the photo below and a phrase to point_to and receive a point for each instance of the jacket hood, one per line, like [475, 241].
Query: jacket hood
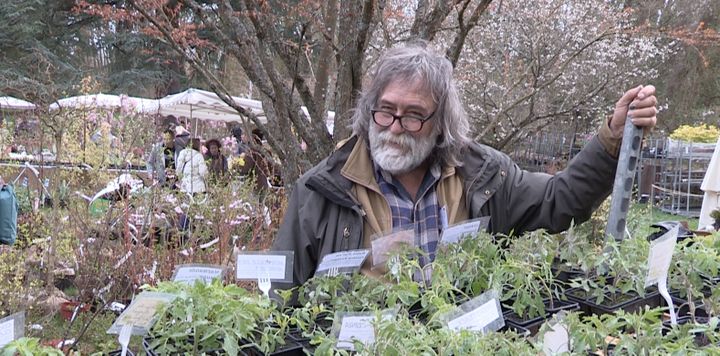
[326, 179]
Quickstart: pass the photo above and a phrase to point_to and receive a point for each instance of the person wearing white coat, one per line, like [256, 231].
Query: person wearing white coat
[191, 168]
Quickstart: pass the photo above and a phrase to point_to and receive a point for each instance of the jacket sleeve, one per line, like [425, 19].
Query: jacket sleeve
[293, 235]
[538, 200]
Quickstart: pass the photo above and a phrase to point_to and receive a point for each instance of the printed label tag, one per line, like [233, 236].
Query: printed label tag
[345, 261]
[276, 265]
[189, 273]
[141, 314]
[455, 232]
[12, 327]
[351, 326]
[481, 313]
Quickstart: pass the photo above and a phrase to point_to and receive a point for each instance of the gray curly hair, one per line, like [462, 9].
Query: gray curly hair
[415, 61]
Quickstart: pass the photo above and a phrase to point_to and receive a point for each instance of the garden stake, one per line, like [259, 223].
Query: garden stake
[624, 176]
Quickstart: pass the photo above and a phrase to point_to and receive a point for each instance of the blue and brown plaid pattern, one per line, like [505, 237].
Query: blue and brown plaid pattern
[422, 215]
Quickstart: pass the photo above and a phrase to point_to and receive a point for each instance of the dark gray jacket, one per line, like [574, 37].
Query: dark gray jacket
[323, 216]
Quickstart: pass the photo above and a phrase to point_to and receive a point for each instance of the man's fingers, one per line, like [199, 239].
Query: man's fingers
[643, 112]
[644, 103]
[645, 121]
[629, 96]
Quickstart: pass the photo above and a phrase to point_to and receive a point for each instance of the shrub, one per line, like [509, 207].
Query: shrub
[702, 133]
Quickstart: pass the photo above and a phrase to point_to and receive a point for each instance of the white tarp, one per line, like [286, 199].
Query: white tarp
[10, 103]
[205, 105]
[107, 101]
[711, 187]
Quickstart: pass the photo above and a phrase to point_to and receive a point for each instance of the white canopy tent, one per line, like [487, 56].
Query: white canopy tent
[194, 104]
[199, 104]
[107, 101]
[711, 187]
[10, 103]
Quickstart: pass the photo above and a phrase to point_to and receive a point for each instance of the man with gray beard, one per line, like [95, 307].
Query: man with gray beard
[410, 166]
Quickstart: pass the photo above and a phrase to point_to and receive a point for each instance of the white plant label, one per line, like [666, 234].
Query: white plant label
[659, 259]
[350, 326]
[556, 340]
[254, 266]
[12, 327]
[140, 315]
[7, 332]
[356, 328]
[346, 260]
[454, 233]
[661, 251]
[192, 272]
[476, 319]
[385, 245]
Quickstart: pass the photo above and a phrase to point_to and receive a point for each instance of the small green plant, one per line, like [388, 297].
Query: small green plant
[527, 275]
[29, 346]
[617, 273]
[693, 266]
[207, 317]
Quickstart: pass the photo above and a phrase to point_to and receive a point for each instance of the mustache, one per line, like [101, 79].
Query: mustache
[403, 139]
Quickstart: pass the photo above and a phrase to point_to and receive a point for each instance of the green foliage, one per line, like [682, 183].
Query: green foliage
[211, 316]
[694, 264]
[702, 133]
[715, 214]
[29, 347]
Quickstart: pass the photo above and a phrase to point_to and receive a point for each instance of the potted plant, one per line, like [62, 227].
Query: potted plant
[688, 279]
[209, 318]
[615, 280]
[530, 289]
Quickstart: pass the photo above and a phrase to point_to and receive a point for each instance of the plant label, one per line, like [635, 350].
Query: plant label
[356, 326]
[344, 261]
[556, 340]
[659, 259]
[140, 315]
[12, 327]
[454, 233]
[384, 246]
[189, 273]
[661, 251]
[275, 265]
[481, 313]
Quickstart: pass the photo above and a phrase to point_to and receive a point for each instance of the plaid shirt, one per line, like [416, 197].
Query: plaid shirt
[422, 215]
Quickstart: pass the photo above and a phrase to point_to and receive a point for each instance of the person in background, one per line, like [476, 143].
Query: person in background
[191, 168]
[241, 140]
[182, 137]
[256, 164]
[216, 161]
[162, 159]
[411, 162]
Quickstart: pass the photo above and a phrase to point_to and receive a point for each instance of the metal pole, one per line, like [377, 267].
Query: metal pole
[624, 176]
